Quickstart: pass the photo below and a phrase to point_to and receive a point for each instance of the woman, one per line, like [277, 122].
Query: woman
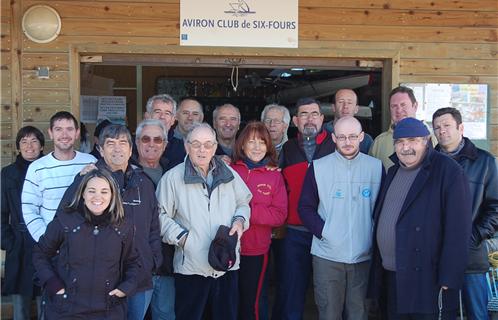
[255, 161]
[96, 266]
[16, 240]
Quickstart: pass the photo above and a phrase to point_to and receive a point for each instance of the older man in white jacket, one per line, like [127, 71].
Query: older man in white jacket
[195, 198]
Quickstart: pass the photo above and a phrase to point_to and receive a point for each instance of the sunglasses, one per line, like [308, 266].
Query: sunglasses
[147, 139]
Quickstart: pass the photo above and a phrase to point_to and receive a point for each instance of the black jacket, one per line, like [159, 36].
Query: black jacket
[481, 168]
[16, 240]
[140, 206]
[92, 260]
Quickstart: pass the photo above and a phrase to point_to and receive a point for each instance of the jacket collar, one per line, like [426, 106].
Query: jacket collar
[221, 173]
[469, 151]
[125, 180]
[319, 138]
[345, 161]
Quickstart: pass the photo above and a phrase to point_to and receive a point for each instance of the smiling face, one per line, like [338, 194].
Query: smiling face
[255, 149]
[97, 195]
[162, 111]
[30, 147]
[227, 123]
[401, 107]
[151, 144]
[189, 112]
[410, 151]
[64, 134]
[116, 152]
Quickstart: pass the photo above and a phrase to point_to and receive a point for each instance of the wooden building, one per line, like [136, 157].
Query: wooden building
[410, 41]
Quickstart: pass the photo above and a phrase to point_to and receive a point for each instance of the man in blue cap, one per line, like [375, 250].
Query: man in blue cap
[422, 229]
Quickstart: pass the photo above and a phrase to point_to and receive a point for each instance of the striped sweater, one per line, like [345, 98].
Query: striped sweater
[46, 181]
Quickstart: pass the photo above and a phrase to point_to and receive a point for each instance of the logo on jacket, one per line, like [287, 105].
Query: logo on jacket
[339, 194]
[264, 189]
[366, 192]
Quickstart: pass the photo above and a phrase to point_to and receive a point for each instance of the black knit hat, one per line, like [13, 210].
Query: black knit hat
[222, 255]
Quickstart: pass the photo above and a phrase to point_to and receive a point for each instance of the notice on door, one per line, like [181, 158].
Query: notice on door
[239, 23]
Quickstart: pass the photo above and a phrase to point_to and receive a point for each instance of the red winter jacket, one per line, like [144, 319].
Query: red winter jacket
[268, 207]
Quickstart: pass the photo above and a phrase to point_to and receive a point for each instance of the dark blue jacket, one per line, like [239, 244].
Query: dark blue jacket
[91, 261]
[141, 208]
[432, 236]
[481, 168]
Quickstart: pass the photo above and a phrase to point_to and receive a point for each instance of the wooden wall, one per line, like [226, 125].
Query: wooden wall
[438, 41]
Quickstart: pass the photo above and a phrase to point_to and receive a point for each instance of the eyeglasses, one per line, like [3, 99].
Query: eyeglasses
[351, 137]
[207, 145]
[306, 115]
[147, 139]
[274, 121]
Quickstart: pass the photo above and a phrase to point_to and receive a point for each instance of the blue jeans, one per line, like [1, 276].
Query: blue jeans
[294, 275]
[138, 304]
[163, 298]
[475, 296]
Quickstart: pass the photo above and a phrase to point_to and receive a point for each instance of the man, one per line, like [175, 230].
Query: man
[48, 177]
[226, 122]
[195, 198]
[189, 112]
[402, 104]
[276, 119]
[346, 105]
[297, 154]
[140, 207]
[151, 141]
[422, 229]
[336, 205]
[163, 107]
[482, 170]
[98, 129]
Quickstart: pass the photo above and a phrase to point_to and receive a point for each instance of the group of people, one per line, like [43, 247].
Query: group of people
[190, 221]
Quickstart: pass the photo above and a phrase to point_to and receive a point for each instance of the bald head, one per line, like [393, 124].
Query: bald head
[347, 136]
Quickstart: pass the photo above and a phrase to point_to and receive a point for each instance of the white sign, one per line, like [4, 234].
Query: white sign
[112, 108]
[239, 23]
[470, 99]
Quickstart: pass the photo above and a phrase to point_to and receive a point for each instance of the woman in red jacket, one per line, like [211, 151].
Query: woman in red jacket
[255, 161]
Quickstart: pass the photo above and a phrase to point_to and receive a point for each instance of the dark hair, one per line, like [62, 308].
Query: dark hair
[402, 89]
[28, 131]
[100, 127]
[306, 101]
[63, 115]
[114, 131]
[255, 129]
[115, 206]
[454, 113]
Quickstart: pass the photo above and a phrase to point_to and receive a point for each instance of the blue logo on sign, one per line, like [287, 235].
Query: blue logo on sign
[184, 36]
[367, 193]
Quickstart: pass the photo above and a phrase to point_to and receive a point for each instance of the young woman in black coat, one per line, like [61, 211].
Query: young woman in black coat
[96, 265]
[16, 240]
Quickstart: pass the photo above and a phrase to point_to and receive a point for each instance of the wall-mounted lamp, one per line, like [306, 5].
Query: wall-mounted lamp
[43, 73]
[41, 23]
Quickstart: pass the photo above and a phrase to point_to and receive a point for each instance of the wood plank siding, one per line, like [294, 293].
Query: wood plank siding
[436, 40]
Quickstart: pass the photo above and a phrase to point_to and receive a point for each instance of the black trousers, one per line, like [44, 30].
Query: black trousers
[251, 277]
[198, 296]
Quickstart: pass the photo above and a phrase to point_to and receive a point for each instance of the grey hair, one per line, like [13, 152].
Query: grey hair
[198, 126]
[114, 131]
[226, 105]
[166, 98]
[150, 123]
[278, 107]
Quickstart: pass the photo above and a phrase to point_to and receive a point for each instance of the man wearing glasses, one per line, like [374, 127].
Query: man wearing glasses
[195, 199]
[336, 205]
[297, 154]
[276, 119]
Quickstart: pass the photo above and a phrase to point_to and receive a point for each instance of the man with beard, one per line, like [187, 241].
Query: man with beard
[422, 229]
[336, 205]
[226, 123]
[48, 177]
[294, 269]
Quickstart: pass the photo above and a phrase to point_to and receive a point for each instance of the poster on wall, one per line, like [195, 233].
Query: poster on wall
[239, 23]
[470, 99]
[93, 109]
